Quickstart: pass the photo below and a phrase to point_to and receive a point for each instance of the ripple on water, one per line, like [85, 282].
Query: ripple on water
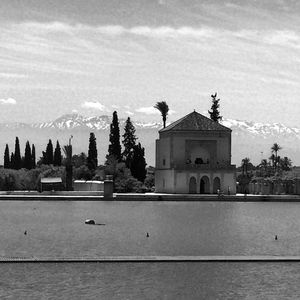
[150, 281]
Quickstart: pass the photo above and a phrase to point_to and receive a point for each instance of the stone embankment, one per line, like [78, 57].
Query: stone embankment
[97, 196]
[155, 259]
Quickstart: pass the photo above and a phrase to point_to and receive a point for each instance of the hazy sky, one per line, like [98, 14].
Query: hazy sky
[95, 56]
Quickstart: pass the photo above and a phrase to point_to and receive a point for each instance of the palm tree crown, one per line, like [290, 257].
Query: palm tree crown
[164, 109]
[245, 163]
[275, 148]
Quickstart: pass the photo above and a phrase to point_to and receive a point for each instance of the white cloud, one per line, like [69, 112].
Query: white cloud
[166, 31]
[42, 29]
[283, 38]
[35, 32]
[50, 26]
[94, 105]
[287, 38]
[114, 106]
[149, 110]
[8, 101]
[130, 113]
[111, 30]
[12, 75]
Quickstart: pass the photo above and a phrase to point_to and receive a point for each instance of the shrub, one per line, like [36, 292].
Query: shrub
[127, 185]
[83, 172]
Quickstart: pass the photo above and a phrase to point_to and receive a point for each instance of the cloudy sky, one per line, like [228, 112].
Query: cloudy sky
[96, 56]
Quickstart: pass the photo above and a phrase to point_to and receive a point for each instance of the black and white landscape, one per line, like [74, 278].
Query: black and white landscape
[248, 138]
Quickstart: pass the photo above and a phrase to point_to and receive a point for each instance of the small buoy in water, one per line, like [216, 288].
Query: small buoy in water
[90, 222]
[147, 235]
[25, 232]
[276, 238]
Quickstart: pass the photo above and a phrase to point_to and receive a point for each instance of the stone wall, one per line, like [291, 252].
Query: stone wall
[265, 187]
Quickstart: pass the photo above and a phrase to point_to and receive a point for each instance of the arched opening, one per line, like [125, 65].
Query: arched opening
[216, 185]
[204, 185]
[193, 186]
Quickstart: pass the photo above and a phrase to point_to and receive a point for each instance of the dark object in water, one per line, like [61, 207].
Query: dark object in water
[25, 232]
[276, 238]
[147, 235]
[90, 222]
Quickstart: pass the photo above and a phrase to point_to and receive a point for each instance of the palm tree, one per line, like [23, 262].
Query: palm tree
[264, 165]
[285, 163]
[164, 109]
[245, 163]
[275, 148]
[272, 160]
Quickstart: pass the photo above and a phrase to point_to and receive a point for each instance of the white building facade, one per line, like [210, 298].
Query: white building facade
[193, 155]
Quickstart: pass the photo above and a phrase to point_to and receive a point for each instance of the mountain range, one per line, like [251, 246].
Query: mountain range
[249, 139]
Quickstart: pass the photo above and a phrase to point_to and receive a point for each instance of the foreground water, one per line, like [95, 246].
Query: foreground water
[57, 229]
[150, 281]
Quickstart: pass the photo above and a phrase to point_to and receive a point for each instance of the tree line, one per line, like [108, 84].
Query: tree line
[133, 155]
[15, 161]
[124, 164]
[274, 165]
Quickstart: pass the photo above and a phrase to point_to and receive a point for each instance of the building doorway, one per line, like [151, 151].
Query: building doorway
[204, 185]
[193, 185]
[216, 185]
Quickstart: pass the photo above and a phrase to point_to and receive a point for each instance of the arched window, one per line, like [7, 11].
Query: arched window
[204, 185]
[193, 185]
[216, 185]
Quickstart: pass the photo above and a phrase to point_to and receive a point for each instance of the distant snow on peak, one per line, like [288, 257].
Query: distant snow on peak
[260, 129]
[75, 120]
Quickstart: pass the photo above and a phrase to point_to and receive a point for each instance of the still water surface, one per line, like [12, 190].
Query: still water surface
[150, 281]
[57, 229]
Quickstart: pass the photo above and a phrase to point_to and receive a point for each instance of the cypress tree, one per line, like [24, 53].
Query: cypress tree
[214, 113]
[6, 157]
[92, 159]
[114, 148]
[17, 155]
[128, 142]
[27, 157]
[69, 167]
[138, 164]
[33, 163]
[44, 158]
[57, 155]
[49, 154]
[12, 161]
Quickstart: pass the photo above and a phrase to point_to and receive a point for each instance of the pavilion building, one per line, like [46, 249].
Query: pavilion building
[193, 155]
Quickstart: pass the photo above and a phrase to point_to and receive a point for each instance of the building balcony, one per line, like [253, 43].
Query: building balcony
[210, 166]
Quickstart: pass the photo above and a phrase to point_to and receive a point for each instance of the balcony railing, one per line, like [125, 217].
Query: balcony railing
[210, 166]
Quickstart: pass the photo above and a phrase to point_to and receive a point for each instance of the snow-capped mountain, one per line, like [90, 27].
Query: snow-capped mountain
[73, 121]
[249, 139]
[77, 121]
[260, 129]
